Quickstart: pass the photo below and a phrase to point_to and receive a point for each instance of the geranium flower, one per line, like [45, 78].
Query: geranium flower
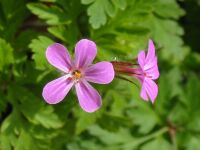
[148, 72]
[78, 72]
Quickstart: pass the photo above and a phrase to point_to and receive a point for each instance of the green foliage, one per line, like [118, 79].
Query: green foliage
[38, 47]
[100, 9]
[60, 32]
[159, 142]
[6, 54]
[53, 15]
[11, 18]
[120, 29]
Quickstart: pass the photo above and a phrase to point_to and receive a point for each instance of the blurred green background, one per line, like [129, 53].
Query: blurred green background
[120, 29]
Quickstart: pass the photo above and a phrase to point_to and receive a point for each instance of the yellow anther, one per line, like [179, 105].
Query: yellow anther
[76, 74]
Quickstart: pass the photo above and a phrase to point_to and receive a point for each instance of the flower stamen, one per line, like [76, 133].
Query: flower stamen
[76, 75]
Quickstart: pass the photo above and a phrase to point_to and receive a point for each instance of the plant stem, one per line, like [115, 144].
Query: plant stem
[175, 146]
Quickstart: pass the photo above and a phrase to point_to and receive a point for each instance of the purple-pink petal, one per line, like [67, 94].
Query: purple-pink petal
[58, 56]
[148, 73]
[56, 90]
[150, 64]
[143, 93]
[89, 98]
[85, 52]
[153, 72]
[141, 58]
[151, 88]
[101, 73]
[151, 52]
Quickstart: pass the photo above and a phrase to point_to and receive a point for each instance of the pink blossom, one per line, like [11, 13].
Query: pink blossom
[148, 72]
[78, 72]
[145, 70]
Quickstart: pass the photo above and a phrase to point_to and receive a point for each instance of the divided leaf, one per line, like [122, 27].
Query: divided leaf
[39, 47]
[99, 10]
[53, 15]
[6, 54]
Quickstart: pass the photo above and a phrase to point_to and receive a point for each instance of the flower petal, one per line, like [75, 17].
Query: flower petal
[151, 52]
[153, 72]
[56, 90]
[102, 73]
[150, 64]
[85, 52]
[89, 98]
[143, 93]
[141, 58]
[151, 88]
[58, 56]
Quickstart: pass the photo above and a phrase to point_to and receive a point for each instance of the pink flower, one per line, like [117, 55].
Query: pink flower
[148, 72]
[78, 72]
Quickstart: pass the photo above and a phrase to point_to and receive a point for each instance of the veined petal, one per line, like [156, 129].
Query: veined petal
[143, 93]
[153, 72]
[58, 56]
[85, 52]
[89, 98]
[150, 64]
[56, 90]
[141, 58]
[102, 73]
[151, 88]
[151, 52]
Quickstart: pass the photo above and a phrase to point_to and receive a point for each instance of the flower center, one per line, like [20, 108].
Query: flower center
[76, 75]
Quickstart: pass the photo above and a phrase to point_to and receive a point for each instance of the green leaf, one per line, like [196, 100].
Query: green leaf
[16, 134]
[136, 24]
[120, 3]
[9, 13]
[97, 14]
[113, 123]
[47, 118]
[9, 128]
[168, 90]
[25, 137]
[163, 7]
[48, 0]
[191, 99]
[183, 113]
[6, 54]
[99, 9]
[34, 109]
[193, 143]
[39, 47]
[85, 120]
[164, 31]
[59, 32]
[144, 116]
[3, 103]
[87, 1]
[24, 38]
[158, 143]
[110, 138]
[192, 61]
[192, 94]
[52, 14]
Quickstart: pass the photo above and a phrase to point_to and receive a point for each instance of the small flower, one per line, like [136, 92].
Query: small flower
[77, 72]
[146, 71]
